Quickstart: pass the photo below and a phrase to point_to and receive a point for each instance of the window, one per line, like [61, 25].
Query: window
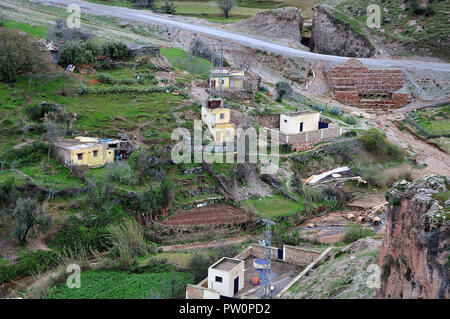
[228, 133]
[218, 279]
[95, 153]
[222, 116]
[80, 156]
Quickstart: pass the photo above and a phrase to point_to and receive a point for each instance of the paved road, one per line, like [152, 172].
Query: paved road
[145, 16]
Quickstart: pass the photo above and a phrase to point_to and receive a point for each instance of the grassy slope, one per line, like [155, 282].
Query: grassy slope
[31, 30]
[118, 285]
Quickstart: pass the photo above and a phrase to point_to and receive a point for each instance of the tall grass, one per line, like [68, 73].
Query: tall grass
[128, 241]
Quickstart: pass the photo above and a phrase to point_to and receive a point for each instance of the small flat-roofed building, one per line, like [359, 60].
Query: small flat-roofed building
[217, 118]
[226, 276]
[299, 122]
[92, 154]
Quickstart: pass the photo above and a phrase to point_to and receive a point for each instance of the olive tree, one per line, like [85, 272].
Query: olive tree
[225, 6]
[18, 52]
[29, 218]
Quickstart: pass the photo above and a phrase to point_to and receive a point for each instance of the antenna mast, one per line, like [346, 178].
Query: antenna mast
[266, 275]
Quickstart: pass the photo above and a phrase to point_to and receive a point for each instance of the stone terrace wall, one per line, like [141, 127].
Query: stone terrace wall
[299, 256]
[354, 84]
[312, 136]
[268, 120]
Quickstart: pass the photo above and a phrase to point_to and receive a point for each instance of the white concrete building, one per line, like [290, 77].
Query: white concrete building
[299, 122]
[226, 276]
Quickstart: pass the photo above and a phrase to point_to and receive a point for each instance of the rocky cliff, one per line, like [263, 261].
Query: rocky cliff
[332, 36]
[414, 257]
[284, 23]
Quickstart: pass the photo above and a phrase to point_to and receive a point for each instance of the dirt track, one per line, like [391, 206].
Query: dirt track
[209, 244]
[437, 161]
[207, 216]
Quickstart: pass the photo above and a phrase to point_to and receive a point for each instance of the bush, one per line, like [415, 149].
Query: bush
[356, 231]
[128, 239]
[75, 52]
[285, 233]
[376, 143]
[350, 120]
[319, 108]
[29, 263]
[105, 78]
[283, 89]
[115, 50]
[121, 173]
[199, 265]
[429, 11]
[24, 155]
[335, 110]
[19, 52]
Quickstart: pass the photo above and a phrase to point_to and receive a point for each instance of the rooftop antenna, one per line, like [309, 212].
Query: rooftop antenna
[266, 275]
[218, 63]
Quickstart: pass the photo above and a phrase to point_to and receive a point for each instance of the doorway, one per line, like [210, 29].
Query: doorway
[236, 285]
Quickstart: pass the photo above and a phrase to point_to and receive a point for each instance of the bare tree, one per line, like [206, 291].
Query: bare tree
[242, 60]
[52, 133]
[225, 6]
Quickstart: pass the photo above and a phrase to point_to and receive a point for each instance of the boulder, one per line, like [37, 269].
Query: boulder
[332, 36]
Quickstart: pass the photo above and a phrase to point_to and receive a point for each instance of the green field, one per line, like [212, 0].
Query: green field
[274, 206]
[35, 31]
[185, 61]
[97, 284]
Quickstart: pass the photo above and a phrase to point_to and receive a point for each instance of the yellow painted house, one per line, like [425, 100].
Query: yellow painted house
[84, 151]
[231, 79]
[218, 120]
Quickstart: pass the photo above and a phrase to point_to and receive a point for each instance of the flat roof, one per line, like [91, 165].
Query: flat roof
[301, 113]
[71, 146]
[226, 264]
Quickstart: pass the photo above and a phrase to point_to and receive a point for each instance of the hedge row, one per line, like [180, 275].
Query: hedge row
[29, 263]
[123, 89]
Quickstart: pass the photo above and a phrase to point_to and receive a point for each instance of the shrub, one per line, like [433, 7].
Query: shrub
[105, 78]
[429, 10]
[115, 50]
[376, 143]
[319, 108]
[283, 89]
[8, 190]
[335, 110]
[24, 155]
[121, 173]
[128, 238]
[75, 52]
[199, 265]
[356, 231]
[285, 233]
[19, 52]
[2, 22]
[29, 263]
[350, 120]
[168, 7]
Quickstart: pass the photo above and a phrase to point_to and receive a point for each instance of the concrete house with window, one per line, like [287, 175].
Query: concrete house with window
[226, 276]
[231, 79]
[84, 151]
[217, 118]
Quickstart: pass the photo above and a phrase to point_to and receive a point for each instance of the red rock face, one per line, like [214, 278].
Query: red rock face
[414, 253]
[354, 84]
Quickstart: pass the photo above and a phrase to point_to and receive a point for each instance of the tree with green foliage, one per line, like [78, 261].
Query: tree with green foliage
[283, 89]
[29, 217]
[115, 50]
[19, 53]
